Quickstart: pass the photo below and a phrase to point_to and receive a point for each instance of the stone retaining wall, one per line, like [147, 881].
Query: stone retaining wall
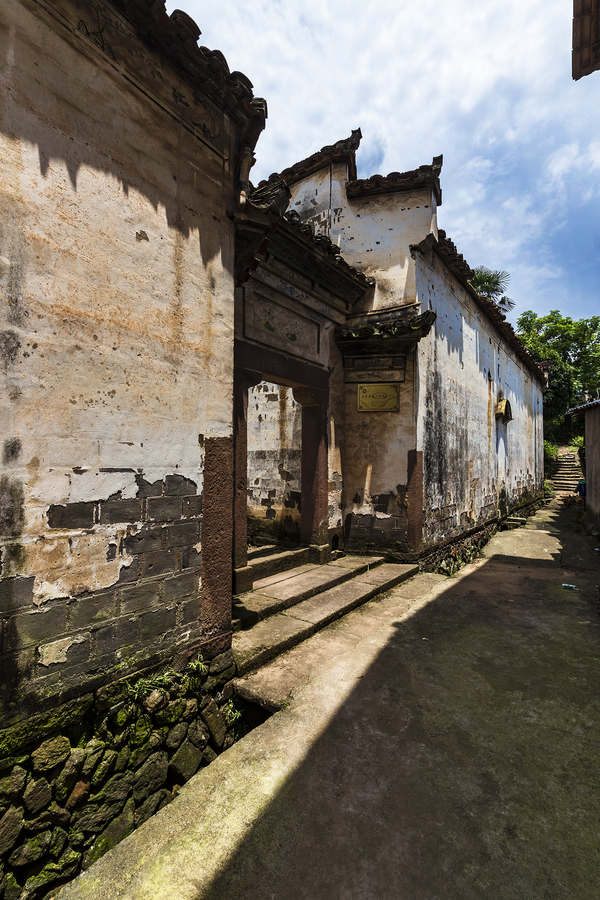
[76, 781]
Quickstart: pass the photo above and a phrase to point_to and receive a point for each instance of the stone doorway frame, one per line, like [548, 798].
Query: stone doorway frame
[310, 384]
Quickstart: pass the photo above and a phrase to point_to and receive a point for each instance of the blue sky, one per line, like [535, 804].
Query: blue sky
[486, 84]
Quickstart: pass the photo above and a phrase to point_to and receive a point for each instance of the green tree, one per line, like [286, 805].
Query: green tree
[492, 284]
[572, 348]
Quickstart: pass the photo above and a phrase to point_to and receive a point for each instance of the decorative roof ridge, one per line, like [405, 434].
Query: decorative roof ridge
[176, 36]
[457, 264]
[325, 245]
[341, 150]
[428, 175]
[388, 327]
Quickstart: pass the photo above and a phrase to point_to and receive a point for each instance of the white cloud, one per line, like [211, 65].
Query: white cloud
[488, 85]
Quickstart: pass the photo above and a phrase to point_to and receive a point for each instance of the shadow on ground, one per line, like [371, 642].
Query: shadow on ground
[465, 764]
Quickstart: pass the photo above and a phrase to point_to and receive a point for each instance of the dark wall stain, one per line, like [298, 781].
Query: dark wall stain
[12, 507]
[9, 348]
[12, 246]
[11, 450]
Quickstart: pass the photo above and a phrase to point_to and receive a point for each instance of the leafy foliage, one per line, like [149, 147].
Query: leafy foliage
[144, 686]
[572, 347]
[231, 713]
[492, 284]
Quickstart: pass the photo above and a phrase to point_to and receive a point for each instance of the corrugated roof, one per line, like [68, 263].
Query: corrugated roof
[579, 411]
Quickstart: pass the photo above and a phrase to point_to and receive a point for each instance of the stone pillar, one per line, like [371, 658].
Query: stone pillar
[217, 539]
[414, 498]
[314, 513]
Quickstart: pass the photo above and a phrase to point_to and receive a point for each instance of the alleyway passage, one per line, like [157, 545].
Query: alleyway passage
[446, 746]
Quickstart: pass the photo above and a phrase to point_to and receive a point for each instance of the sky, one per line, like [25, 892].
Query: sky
[488, 85]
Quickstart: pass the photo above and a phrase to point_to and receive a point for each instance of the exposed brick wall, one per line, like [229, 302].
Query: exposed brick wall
[56, 649]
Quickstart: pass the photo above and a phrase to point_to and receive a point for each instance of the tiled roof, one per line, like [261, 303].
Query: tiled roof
[176, 36]
[424, 176]
[340, 151]
[457, 264]
[274, 198]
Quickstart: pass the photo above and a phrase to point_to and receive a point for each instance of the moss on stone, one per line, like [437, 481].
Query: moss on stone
[15, 738]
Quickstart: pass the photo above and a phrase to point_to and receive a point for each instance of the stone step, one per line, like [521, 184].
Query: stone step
[264, 564]
[279, 631]
[281, 590]
[273, 684]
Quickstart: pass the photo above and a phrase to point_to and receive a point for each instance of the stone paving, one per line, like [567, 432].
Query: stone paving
[439, 742]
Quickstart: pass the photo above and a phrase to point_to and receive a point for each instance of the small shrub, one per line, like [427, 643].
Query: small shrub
[144, 686]
[230, 713]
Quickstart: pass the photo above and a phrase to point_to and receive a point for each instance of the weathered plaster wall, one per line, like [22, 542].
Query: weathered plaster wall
[376, 454]
[474, 465]
[116, 344]
[274, 462]
[592, 463]
[373, 233]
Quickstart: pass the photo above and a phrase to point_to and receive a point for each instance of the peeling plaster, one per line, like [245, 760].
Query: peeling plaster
[56, 652]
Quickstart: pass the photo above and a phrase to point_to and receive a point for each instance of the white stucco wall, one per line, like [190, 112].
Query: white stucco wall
[373, 233]
[473, 462]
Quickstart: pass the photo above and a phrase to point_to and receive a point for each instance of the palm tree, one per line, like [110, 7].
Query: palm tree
[492, 284]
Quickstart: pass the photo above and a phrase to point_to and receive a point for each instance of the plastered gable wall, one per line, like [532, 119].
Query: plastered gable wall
[116, 342]
[373, 233]
[473, 463]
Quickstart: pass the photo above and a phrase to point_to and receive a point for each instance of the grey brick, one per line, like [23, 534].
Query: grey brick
[71, 515]
[144, 540]
[159, 563]
[129, 573]
[156, 623]
[190, 558]
[112, 511]
[147, 488]
[25, 629]
[92, 609]
[182, 535]
[178, 485]
[164, 509]
[192, 506]
[190, 610]
[180, 586]
[140, 597]
[15, 593]
[122, 633]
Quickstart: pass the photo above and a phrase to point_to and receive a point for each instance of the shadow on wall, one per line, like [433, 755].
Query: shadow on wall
[81, 111]
[448, 769]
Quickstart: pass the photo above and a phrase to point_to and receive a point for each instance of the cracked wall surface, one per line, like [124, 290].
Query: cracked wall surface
[116, 358]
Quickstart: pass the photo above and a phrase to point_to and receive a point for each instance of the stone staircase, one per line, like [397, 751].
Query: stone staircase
[292, 599]
[567, 474]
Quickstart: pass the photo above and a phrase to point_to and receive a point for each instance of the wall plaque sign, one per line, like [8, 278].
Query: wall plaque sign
[378, 397]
